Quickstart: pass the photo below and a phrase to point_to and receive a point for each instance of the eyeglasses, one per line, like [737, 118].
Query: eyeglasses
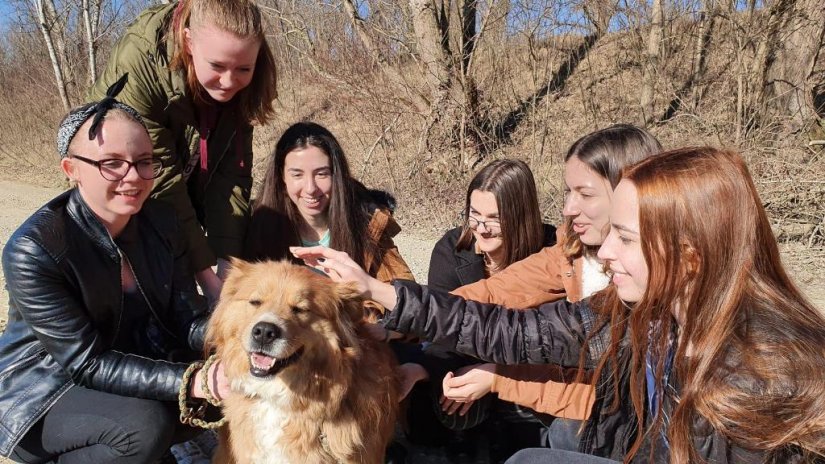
[491, 226]
[116, 169]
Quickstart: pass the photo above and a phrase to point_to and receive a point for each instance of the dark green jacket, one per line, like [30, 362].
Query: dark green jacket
[214, 211]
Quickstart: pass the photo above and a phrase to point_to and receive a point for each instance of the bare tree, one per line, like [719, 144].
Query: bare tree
[48, 22]
[797, 57]
[654, 47]
[91, 19]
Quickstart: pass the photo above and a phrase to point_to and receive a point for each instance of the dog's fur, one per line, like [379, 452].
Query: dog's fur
[321, 391]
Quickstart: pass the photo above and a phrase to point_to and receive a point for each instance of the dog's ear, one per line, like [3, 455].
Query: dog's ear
[351, 301]
[238, 268]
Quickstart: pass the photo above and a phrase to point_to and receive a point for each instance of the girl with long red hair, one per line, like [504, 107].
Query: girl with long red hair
[702, 349]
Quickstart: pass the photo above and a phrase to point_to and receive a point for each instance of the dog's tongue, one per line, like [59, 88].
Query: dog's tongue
[262, 361]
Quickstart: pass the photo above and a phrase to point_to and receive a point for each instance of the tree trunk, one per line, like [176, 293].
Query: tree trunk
[765, 56]
[796, 61]
[393, 74]
[47, 18]
[91, 14]
[706, 19]
[654, 46]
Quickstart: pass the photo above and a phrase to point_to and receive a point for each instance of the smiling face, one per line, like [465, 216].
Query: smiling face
[308, 181]
[113, 202]
[224, 63]
[587, 201]
[484, 208]
[622, 248]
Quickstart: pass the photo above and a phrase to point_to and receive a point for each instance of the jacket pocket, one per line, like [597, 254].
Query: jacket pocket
[26, 361]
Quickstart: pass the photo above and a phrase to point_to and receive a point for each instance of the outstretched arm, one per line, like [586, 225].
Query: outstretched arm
[552, 333]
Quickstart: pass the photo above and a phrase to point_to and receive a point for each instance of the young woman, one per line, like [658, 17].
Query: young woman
[200, 74]
[569, 269]
[308, 197]
[100, 297]
[703, 348]
[502, 224]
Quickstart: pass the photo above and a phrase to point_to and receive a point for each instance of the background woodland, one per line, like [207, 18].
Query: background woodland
[421, 93]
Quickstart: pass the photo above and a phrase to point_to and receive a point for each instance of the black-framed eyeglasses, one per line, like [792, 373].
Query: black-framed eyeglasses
[116, 169]
[493, 227]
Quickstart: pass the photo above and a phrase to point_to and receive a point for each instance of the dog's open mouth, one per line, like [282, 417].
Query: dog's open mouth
[262, 365]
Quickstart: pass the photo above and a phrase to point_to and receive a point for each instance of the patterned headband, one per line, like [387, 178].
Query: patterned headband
[72, 122]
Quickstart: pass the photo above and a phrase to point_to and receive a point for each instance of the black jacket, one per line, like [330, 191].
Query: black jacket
[451, 268]
[554, 333]
[65, 302]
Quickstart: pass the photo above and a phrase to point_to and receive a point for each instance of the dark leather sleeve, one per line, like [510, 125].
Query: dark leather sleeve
[552, 333]
[442, 273]
[42, 294]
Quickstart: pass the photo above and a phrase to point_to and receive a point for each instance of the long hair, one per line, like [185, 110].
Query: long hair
[607, 151]
[276, 218]
[750, 353]
[511, 183]
[241, 18]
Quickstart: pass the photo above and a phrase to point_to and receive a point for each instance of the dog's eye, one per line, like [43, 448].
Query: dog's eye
[255, 302]
[296, 310]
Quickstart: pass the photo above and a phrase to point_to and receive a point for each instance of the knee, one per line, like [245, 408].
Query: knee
[146, 432]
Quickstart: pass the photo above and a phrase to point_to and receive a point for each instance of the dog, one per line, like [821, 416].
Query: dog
[308, 385]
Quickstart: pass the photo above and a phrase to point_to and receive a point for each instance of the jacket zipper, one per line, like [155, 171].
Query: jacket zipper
[11, 368]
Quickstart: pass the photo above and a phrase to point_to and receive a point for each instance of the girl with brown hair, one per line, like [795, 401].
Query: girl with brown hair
[703, 348]
[570, 269]
[308, 197]
[502, 225]
[200, 74]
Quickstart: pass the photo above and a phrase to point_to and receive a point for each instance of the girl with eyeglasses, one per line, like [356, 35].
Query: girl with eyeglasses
[101, 300]
[570, 269]
[502, 224]
[200, 74]
[702, 349]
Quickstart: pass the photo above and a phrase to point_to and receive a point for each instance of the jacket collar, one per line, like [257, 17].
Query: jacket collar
[471, 268]
[89, 223]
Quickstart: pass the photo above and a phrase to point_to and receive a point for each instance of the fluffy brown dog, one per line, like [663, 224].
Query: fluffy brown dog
[308, 385]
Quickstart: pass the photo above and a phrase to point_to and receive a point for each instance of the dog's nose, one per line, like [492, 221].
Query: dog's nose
[265, 332]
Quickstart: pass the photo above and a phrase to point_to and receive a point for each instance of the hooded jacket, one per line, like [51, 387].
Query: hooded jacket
[216, 200]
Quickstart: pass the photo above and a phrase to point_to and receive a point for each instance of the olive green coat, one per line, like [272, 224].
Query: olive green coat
[214, 211]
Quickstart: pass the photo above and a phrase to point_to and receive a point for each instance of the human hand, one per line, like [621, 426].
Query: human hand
[410, 374]
[468, 385]
[217, 381]
[341, 268]
[336, 264]
[210, 284]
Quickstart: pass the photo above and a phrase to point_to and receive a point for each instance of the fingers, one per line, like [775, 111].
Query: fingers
[465, 407]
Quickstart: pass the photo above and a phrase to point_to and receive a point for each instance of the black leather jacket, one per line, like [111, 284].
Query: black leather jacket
[553, 333]
[63, 273]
